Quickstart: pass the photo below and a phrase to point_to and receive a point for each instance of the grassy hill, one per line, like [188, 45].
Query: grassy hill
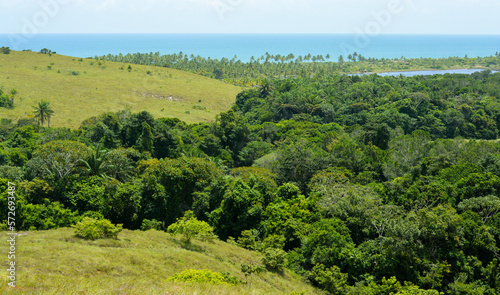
[81, 88]
[57, 262]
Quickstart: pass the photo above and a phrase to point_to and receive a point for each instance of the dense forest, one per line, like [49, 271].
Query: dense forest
[361, 184]
[271, 66]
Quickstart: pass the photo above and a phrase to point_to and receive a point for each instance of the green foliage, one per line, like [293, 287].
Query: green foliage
[7, 99]
[253, 151]
[190, 227]
[241, 208]
[288, 218]
[232, 130]
[487, 206]
[43, 112]
[478, 185]
[146, 139]
[36, 191]
[297, 163]
[363, 185]
[151, 224]
[5, 50]
[92, 229]
[87, 194]
[169, 184]
[354, 204]
[260, 70]
[96, 164]
[249, 239]
[42, 216]
[46, 216]
[203, 276]
[406, 153]
[274, 259]
[327, 243]
[249, 270]
[12, 173]
[57, 159]
[122, 203]
[329, 279]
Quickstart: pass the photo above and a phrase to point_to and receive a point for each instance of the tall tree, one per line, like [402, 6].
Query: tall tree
[43, 112]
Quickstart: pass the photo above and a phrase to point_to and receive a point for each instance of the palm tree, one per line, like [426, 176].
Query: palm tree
[43, 112]
[97, 163]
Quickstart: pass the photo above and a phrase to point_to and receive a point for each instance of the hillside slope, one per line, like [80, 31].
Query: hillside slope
[81, 88]
[56, 262]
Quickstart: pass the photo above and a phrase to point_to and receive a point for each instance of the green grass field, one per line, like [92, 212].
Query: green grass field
[57, 262]
[78, 90]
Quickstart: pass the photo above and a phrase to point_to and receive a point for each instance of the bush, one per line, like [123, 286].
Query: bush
[50, 215]
[204, 276]
[5, 50]
[151, 224]
[92, 229]
[249, 239]
[190, 227]
[329, 279]
[274, 259]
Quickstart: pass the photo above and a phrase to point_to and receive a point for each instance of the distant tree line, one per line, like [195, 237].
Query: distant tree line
[271, 66]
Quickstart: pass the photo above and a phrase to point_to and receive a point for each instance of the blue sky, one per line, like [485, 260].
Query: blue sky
[251, 16]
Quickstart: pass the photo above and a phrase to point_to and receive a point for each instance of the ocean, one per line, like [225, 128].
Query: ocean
[244, 46]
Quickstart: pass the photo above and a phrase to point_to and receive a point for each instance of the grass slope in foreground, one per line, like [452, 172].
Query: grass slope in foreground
[81, 88]
[57, 262]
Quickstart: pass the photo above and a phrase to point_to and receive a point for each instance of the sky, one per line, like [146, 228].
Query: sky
[251, 16]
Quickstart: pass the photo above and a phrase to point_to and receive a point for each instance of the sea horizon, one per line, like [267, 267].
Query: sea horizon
[244, 46]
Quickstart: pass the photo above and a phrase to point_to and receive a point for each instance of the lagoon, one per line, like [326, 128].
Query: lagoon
[429, 72]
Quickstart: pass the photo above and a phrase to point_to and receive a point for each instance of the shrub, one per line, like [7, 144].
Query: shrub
[5, 50]
[93, 215]
[92, 229]
[204, 276]
[151, 224]
[189, 227]
[274, 259]
[249, 239]
[274, 241]
[248, 270]
[198, 107]
[50, 215]
[329, 279]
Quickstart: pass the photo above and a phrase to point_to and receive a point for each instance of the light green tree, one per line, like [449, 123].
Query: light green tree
[189, 227]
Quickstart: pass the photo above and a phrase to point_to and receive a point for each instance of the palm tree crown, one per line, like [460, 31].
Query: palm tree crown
[43, 112]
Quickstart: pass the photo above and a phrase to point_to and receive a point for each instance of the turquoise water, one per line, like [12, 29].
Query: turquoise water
[246, 46]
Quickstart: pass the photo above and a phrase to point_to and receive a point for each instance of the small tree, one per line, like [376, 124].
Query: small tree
[274, 259]
[189, 227]
[248, 270]
[43, 112]
[146, 139]
[5, 50]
